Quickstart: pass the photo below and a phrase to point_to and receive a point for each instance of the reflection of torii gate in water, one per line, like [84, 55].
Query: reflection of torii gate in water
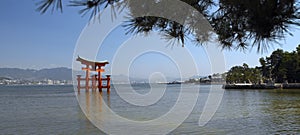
[96, 67]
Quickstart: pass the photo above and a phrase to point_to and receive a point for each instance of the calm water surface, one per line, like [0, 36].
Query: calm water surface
[55, 110]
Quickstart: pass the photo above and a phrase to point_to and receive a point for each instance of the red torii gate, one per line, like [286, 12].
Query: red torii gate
[97, 67]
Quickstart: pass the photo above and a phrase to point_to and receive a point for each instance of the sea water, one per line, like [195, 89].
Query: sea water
[55, 110]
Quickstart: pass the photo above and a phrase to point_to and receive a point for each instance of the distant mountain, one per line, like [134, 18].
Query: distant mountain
[31, 74]
[4, 78]
[62, 74]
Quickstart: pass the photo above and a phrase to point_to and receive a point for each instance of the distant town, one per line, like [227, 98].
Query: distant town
[211, 79]
[63, 76]
[8, 81]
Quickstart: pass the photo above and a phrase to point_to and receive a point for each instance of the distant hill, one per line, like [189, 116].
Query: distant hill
[31, 74]
[60, 74]
[4, 78]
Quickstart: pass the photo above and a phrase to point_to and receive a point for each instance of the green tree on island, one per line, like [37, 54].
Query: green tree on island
[243, 74]
[280, 67]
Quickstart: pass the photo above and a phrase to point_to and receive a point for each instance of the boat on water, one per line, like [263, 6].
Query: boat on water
[174, 82]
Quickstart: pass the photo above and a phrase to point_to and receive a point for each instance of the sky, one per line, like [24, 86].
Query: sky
[30, 40]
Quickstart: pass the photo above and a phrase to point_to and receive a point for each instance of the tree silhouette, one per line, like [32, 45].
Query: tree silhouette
[240, 24]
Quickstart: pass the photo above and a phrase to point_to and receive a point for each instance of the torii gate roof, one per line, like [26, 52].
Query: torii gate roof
[92, 63]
